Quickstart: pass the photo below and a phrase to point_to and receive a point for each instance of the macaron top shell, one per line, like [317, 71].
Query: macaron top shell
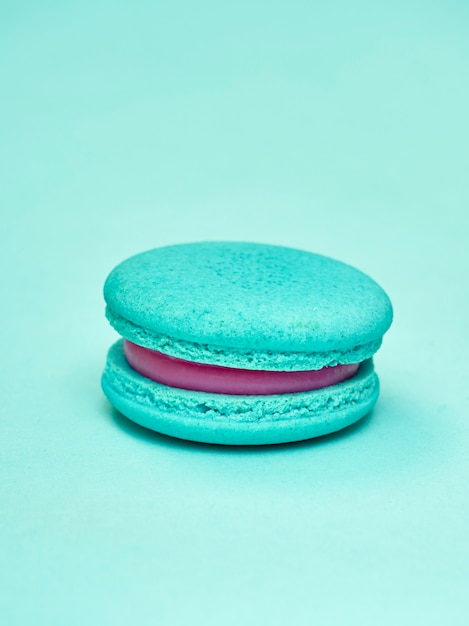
[247, 305]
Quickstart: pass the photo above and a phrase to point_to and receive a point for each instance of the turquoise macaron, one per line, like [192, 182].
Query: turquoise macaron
[242, 343]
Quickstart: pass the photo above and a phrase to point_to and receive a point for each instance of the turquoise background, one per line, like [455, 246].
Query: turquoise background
[337, 127]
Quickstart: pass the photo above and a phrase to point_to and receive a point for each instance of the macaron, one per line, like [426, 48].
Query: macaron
[242, 343]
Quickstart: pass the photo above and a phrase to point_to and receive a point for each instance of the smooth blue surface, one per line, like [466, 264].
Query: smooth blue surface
[248, 305]
[336, 127]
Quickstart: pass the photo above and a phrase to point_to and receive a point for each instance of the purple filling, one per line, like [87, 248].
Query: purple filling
[183, 374]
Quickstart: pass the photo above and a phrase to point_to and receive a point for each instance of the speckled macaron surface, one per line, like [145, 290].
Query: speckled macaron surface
[251, 306]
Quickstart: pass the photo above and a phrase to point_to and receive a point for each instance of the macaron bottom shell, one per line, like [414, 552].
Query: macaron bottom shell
[237, 420]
